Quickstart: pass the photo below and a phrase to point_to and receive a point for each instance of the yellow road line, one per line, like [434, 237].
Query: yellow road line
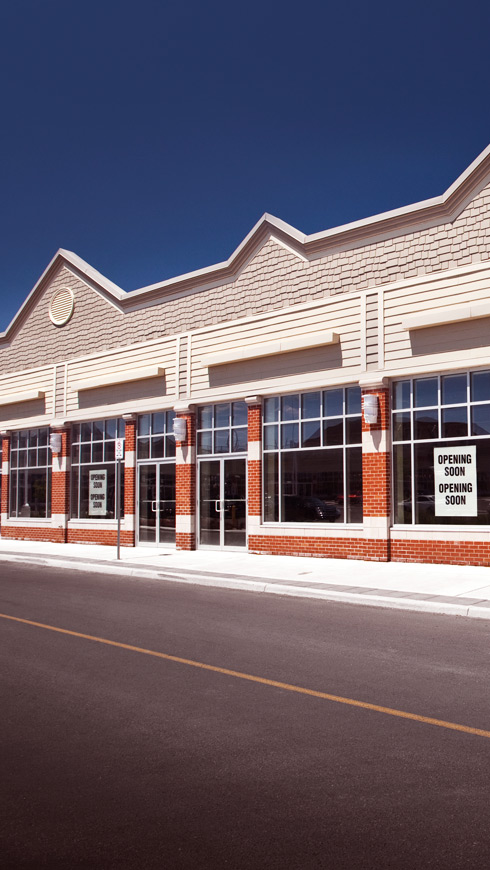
[389, 711]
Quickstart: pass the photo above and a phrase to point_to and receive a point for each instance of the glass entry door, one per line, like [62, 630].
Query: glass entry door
[223, 503]
[156, 499]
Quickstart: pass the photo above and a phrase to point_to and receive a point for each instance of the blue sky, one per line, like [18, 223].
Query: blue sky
[150, 136]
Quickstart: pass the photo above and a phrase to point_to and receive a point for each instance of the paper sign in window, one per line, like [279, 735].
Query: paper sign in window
[97, 493]
[455, 481]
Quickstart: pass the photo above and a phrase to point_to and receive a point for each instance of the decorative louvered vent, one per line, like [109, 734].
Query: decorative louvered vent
[61, 306]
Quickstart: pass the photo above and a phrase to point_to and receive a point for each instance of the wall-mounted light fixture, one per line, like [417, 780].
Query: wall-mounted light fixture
[180, 428]
[371, 408]
[55, 442]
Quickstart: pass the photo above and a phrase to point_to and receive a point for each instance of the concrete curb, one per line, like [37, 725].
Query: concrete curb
[449, 608]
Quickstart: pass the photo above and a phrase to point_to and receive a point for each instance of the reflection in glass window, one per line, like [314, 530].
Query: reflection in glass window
[313, 457]
[30, 474]
[310, 405]
[271, 409]
[401, 395]
[480, 420]
[480, 386]
[426, 424]
[454, 422]
[425, 392]
[454, 389]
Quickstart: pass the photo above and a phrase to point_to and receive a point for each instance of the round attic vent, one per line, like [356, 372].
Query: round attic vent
[61, 306]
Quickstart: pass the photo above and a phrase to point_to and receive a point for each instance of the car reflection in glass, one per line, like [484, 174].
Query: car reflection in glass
[308, 509]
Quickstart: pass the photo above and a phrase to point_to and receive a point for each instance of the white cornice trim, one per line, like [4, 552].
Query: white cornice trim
[272, 348]
[442, 316]
[124, 377]
[373, 382]
[16, 398]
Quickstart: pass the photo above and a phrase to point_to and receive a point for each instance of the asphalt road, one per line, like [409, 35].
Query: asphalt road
[114, 758]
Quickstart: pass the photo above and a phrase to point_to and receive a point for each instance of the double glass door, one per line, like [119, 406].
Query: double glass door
[223, 502]
[156, 516]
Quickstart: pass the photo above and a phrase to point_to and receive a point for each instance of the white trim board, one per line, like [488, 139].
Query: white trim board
[120, 378]
[15, 398]
[443, 316]
[271, 349]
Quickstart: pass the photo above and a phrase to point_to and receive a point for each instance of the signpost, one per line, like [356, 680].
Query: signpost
[119, 457]
[455, 481]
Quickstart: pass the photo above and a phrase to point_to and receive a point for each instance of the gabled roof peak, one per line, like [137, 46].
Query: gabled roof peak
[420, 215]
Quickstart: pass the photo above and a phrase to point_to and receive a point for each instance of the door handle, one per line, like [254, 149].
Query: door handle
[154, 506]
[217, 506]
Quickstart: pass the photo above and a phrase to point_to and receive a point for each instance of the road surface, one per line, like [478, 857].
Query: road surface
[156, 725]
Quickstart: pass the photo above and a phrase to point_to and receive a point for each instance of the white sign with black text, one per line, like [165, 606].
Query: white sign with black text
[97, 493]
[455, 481]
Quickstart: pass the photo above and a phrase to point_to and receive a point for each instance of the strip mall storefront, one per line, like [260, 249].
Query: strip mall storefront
[304, 398]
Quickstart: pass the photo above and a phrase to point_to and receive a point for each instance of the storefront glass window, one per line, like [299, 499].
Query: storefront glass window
[441, 450]
[93, 469]
[313, 457]
[155, 438]
[222, 428]
[30, 474]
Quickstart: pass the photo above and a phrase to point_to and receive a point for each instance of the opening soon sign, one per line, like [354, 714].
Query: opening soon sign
[97, 493]
[455, 481]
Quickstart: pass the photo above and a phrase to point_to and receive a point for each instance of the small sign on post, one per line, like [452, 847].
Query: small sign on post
[119, 457]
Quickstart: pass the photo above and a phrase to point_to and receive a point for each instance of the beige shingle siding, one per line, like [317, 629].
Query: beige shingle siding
[272, 279]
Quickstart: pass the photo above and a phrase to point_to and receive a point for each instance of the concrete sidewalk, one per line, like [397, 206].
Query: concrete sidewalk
[451, 589]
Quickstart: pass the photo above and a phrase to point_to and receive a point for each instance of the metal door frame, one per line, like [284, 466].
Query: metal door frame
[156, 542]
[221, 458]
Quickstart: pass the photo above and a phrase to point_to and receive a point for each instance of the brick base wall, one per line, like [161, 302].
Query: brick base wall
[371, 550]
[100, 536]
[185, 541]
[24, 533]
[376, 484]
[441, 552]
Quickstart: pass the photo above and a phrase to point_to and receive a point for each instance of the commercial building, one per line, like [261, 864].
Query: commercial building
[333, 392]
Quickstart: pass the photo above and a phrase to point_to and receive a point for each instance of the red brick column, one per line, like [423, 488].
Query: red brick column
[4, 502]
[254, 464]
[185, 481]
[376, 473]
[129, 522]
[60, 485]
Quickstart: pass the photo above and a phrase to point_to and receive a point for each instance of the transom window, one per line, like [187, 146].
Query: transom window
[93, 469]
[429, 412]
[30, 473]
[155, 438]
[222, 428]
[313, 456]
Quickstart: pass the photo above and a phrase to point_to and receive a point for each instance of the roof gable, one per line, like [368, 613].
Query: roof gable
[422, 215]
